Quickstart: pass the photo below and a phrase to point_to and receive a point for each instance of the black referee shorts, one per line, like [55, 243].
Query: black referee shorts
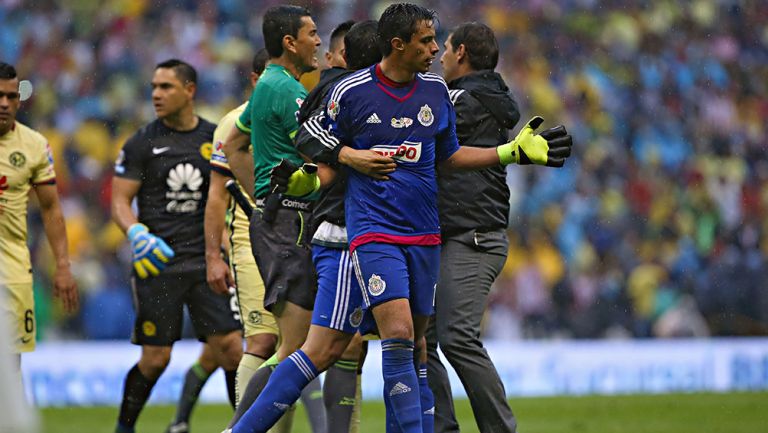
[160, 300]
[282, 252]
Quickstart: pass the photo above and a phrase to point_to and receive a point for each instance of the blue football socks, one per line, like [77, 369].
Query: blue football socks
[427, 401]
[401, 384]
[283, 389]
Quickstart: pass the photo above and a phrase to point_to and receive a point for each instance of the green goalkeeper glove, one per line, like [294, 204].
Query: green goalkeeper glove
[303, 181]
[549, 148]
[295, 181]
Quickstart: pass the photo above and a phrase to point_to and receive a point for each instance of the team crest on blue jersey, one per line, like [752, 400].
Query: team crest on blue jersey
[402, 122]
[376, 285]
[333, 109]
[356, 318]
[425, 115]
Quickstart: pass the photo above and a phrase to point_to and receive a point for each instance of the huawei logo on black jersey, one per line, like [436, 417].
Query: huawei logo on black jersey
[184, 180]
[185, 174]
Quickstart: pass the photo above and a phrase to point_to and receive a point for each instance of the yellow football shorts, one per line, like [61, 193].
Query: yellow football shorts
[18, 310]
[250, 295]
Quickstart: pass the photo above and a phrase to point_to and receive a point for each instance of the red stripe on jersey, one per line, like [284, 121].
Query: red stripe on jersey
[384, 82]
[424, 240]
[384, 79]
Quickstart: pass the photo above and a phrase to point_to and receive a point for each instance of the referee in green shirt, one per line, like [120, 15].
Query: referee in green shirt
[281, 248]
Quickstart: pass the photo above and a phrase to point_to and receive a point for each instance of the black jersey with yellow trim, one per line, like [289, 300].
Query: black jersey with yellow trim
[174, 170]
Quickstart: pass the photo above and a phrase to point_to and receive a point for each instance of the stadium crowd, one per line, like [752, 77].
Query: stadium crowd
[657, 226]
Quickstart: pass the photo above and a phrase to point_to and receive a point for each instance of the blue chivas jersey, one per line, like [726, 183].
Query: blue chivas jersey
[414, 124]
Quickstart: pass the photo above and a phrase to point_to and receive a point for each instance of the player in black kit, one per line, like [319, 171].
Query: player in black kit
[165, 166]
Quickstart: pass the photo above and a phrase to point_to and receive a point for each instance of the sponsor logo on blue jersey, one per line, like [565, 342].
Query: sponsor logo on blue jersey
[402, 122]
[409, 151]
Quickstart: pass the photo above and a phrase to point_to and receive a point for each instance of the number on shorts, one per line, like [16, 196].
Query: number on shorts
[234, 305]
[29, 321]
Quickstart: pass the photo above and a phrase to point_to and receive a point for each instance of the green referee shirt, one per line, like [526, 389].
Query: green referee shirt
[270, 118]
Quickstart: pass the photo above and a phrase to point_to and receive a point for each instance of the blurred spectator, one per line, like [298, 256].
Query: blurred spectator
[659, 219]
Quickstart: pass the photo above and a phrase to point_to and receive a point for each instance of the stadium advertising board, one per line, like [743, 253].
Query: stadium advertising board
[88, 374]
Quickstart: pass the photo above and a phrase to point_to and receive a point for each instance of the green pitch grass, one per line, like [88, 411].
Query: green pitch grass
[679, 413]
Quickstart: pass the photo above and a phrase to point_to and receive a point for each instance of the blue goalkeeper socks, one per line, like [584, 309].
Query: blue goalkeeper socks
[427, 401]
[282, 391]
[401, 384]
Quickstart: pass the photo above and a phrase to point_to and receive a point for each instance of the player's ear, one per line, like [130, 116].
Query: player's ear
[397, 44]
[289, 43]
[190, 88]
[461, 53]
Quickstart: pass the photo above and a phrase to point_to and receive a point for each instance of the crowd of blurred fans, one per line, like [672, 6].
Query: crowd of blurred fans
[657, 226]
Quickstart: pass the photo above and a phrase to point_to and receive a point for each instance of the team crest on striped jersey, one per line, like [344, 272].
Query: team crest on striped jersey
[376, 285]
[425, 115]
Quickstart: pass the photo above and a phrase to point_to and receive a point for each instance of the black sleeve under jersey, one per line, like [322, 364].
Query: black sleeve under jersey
[131, 161]
[308, 144]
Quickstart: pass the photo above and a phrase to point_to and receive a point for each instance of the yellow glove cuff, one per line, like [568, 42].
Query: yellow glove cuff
[508, 153]
[302, 183]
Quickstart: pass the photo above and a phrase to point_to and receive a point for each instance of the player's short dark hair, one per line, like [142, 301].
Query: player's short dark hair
[338, 34]
[183, 70]
[399, 21]
[362, 45]
[480, 44]
[7, 72]
[259, 62]
[280, 21]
